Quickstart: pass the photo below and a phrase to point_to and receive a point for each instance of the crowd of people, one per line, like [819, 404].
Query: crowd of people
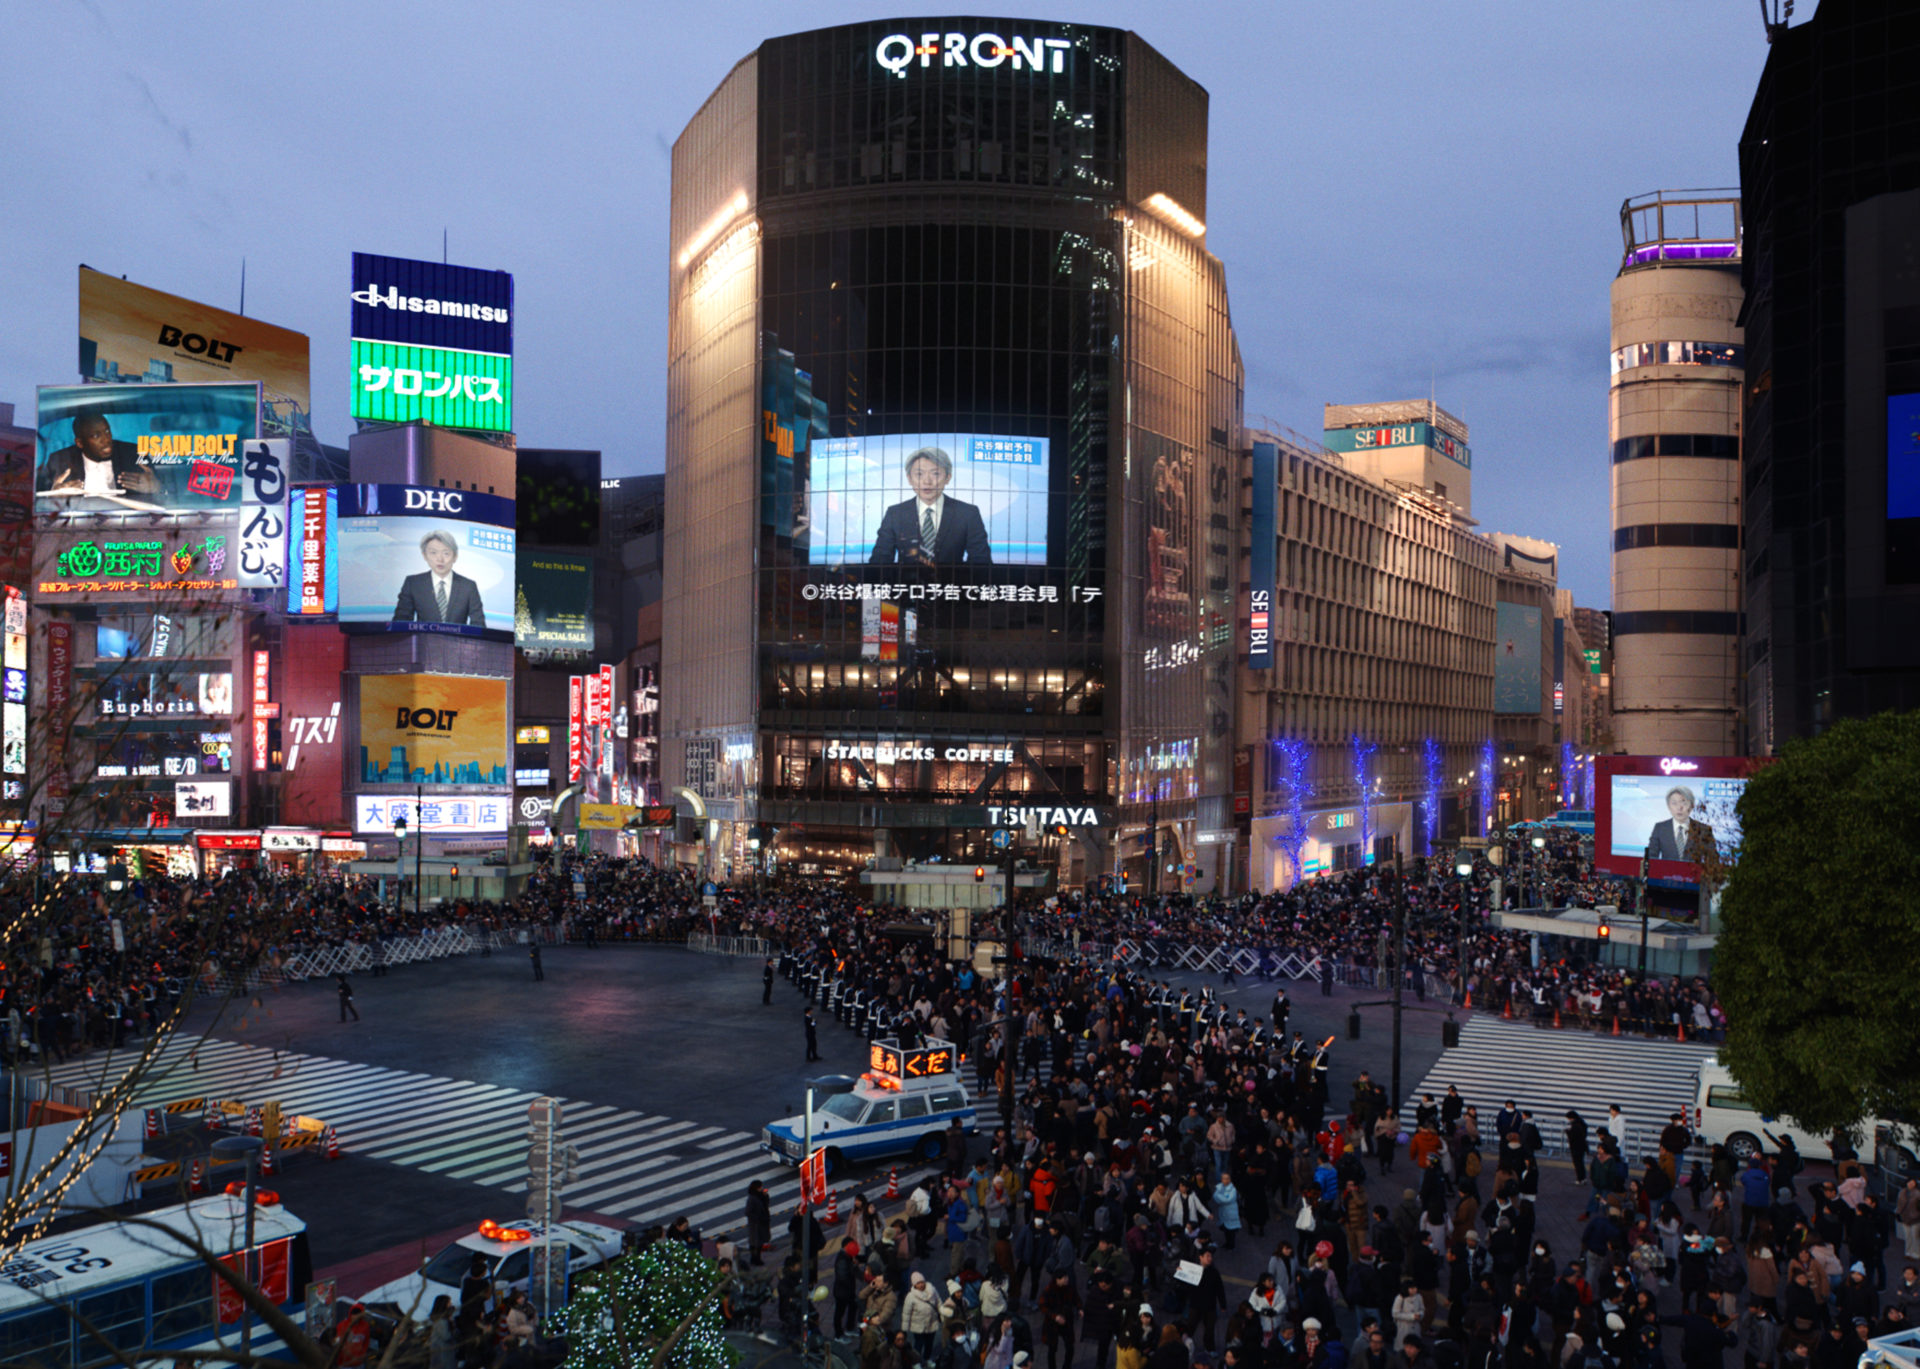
[1146, 1144]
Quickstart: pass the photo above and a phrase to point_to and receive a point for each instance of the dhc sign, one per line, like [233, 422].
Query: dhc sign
[898, 51]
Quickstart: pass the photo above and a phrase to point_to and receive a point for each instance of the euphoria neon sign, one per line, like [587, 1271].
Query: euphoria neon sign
[898, 51]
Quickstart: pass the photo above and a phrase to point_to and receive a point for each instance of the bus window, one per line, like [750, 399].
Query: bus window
[118, 1317]
[44, 1338]
[1721, 1096]
[183, 1303]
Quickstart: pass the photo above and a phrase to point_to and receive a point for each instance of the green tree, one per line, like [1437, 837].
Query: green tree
[657, 1307]
[1820, 951]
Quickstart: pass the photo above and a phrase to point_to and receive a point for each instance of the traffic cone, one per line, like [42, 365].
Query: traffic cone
[1556, 1018]
[893, 1183]
[833, 1207]
[210, 1115]
[153, 1124]
[1469, 1003]
[1506, 1010]
[1616, 1024]
[253, 1120]
[1679, 1030]
[333, 1143]
[266, 1161]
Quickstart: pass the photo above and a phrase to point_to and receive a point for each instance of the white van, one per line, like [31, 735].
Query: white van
[1723, 1115]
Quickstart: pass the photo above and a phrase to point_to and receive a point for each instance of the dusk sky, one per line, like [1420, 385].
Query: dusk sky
[1406, 194]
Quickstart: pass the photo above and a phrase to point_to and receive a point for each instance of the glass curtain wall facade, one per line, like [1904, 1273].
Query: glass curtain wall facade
[949, 463]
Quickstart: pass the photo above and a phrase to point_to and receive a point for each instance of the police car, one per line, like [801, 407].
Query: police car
[508, 1252]
[903, 1104]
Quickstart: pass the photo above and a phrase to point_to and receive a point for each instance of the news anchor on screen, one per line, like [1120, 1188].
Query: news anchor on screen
[930, 529]
[437, 595]
[1674, 838]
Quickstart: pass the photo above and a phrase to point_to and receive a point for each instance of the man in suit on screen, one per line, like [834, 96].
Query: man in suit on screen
[931, 529]
[436, 594]
[1674, 838]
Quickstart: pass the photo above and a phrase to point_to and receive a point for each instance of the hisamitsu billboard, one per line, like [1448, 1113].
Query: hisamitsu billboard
[432, 304]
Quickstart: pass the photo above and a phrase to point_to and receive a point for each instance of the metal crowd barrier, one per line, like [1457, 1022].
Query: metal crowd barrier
[349, 957]
[707, 944]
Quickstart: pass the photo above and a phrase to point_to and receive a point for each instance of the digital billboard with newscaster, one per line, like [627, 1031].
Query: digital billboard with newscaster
[1669, 810]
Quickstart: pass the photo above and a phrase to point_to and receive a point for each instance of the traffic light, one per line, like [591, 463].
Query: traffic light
[456, 872]
[1606, 931]
[979, 874]
[1060, 829]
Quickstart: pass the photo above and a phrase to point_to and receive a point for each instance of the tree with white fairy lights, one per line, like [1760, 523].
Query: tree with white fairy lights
[657, 1308]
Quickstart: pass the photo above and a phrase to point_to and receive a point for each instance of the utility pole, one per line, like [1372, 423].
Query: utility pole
[1646, 860]
[1399, 961]
[1010, 1019]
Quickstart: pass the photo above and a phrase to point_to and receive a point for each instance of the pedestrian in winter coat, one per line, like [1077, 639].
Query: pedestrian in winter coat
[1226, 1207]
[920, 1316]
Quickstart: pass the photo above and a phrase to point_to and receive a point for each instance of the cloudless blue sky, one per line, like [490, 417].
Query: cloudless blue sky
[1405, 193]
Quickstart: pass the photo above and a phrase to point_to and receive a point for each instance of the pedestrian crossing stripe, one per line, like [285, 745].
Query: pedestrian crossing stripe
[1548, 1072]
[641, 1166]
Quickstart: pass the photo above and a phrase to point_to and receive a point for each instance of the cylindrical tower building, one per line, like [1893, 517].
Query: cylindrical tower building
[1673, 414]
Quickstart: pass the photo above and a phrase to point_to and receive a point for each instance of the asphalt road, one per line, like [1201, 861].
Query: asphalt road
[650, 1029]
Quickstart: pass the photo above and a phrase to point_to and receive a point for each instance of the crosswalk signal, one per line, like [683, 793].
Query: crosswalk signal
[979, 874]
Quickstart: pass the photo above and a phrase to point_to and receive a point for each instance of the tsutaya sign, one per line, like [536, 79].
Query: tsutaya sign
[898, 51]
[1045, 817]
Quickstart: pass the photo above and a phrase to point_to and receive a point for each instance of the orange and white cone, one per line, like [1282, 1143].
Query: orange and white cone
[197, 1176]
[266, 1162]
[253, 1120]
[833, 1206]
[893, 1183]
[210, 1115]
[153, 1124]
[332, 1140]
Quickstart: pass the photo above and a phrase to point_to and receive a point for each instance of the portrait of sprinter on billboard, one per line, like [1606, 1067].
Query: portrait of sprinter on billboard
[437, 594]
[1673, 837]
[932, 528]
[96, 464]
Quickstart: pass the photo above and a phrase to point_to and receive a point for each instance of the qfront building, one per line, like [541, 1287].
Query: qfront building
[951, 495]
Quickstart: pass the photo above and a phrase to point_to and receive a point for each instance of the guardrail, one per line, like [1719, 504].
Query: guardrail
[321, 962]
[1246, 961]
[708, 944]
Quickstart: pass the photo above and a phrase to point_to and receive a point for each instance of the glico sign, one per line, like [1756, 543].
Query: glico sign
[898, 51]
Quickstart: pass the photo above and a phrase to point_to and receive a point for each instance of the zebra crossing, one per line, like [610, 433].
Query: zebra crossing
[1548, 1072]
[642, 1167]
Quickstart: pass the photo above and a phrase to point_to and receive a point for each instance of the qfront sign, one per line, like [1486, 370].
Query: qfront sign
[899, 52]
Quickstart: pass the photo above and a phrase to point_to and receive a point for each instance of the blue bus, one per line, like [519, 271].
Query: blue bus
[145, 1291]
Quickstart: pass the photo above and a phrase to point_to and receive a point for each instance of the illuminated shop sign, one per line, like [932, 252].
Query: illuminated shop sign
[899, 51]
[167, 756]
[433, 816]
[536, 734]
[1066, 816]
[889, 753]
[149, 565]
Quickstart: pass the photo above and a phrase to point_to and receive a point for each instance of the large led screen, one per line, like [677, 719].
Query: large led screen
[142, 448]
[1516, 658]
[131, 334]
[1666, 808]
[1903, 489]
[433, 729]
[553, 604]
[927, 500]
[422, 559]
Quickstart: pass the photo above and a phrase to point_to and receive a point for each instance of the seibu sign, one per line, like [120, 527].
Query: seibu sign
[898, 51]
[889, 753]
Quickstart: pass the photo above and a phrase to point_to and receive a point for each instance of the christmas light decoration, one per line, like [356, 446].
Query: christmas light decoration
[1292, 758]
[1586, 785]
[1363, 782]
[1431, 757]
[1486, 787]
[1566, 774]
[668, 1291]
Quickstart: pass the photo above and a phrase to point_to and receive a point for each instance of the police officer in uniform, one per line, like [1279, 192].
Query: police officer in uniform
[813, 1035]
[1281, 1008]
[766, 982]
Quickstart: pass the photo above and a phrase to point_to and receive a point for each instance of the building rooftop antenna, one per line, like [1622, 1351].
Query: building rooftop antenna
[1776, 15]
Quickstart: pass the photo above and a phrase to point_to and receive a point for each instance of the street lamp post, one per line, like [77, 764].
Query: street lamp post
[1646, 859]
[1539, 887]
[1463, 867]
[1402, 913]
[246, 1148]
